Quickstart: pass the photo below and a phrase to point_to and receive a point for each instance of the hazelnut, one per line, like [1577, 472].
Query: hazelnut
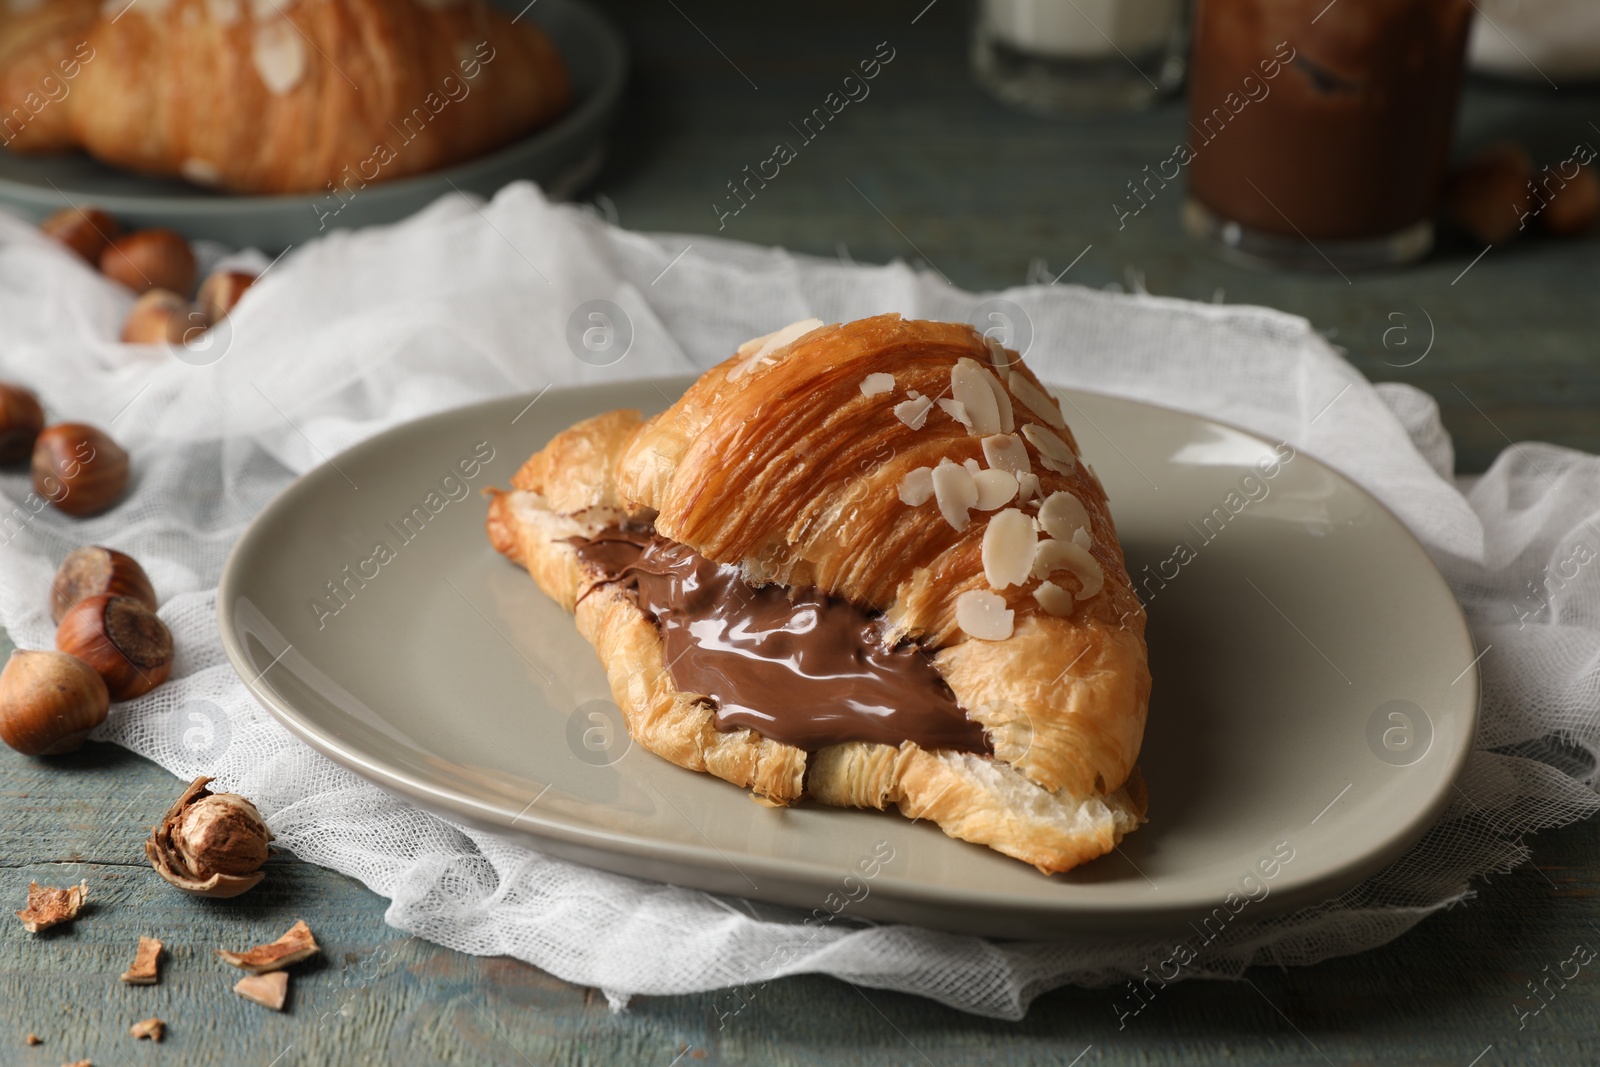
[78, 468]
[161, 317]
[210, 844]
[93, 570]
[221, 291]
[49, 701]
[125, 642]
[1488, 195]
[1575, 206]
[21, 419]
[150, 259]
[86, 231]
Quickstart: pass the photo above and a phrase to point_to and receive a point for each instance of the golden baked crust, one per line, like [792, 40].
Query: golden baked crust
[782, 462]
[278, 97]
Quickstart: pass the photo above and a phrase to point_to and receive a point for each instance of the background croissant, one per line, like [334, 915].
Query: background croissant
[274, 96]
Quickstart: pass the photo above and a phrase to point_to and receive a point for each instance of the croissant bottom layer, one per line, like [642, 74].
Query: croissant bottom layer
[970, 797]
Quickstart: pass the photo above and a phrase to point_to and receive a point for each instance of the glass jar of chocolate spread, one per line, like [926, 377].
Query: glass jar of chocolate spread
[1320, 131]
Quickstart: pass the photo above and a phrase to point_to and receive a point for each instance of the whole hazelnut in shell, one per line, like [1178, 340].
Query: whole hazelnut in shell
[125, 642]
[49, 701]
[151, 259]
[79, 469]
[85, 230]
[21, 419]
[93, 570]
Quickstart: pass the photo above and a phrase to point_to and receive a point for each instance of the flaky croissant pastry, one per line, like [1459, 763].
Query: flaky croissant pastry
[274, 96]
[860, 563]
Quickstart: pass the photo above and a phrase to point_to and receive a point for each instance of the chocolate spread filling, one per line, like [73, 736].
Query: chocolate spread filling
[798, 666]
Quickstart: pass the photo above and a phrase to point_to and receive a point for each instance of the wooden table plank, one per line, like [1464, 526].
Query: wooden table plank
[1440, 995]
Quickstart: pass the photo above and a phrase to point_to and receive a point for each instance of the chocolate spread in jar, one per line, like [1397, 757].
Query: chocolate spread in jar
[1324, 120]
[809, 670]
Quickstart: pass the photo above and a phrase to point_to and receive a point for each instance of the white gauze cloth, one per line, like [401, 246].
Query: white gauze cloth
[359, 332]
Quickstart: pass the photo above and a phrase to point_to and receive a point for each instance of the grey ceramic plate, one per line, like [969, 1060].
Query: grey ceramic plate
[1315, 692]
[561, 158]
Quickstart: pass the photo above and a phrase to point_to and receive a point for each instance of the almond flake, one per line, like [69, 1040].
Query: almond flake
[787, 336]
[1002, 403]
[48, 906]
[916, 487]
[1036, 400]
[974, 468]
[1008, 546]
[876, 383]
[279, 53]
[913, 412]
[958, 411]
[999, 355]
[1054, 599]
[984, 615]
[758, 349]
[143, 971]
[1062, 514]
[1082, 538]
[1006, 452]
[1055, 556]
[1053, 451]
[995, 489]
[292, 947]
[956, 493]
[267, 990]
[1028, 487]
[969, 384]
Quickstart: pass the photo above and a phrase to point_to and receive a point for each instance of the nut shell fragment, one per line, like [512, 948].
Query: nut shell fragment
[143, 971]
[48, 906]
[267, 990]
[208, 848]
[154, 1029]
[291, 948]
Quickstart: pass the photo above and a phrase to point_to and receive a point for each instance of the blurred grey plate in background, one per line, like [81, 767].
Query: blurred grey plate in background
[1315, 687]
[561, 158]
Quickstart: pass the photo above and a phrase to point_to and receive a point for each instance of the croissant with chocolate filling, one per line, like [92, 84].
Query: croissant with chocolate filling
[274, 96]
[861, 563]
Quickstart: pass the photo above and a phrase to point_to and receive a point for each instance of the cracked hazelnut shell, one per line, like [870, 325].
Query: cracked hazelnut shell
[210, 844]
[125, 642]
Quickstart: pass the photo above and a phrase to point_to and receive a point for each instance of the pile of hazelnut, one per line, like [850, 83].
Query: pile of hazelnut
[157, 264]
[110, 645]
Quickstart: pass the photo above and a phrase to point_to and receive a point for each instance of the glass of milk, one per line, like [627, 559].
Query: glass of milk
[1076, 56]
